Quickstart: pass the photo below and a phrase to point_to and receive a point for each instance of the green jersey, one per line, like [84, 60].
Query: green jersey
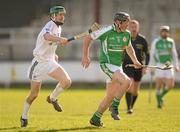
[163, 50]
[112, 44]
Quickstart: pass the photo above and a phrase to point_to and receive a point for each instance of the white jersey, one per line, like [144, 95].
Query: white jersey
[45, 50]
[163, 50]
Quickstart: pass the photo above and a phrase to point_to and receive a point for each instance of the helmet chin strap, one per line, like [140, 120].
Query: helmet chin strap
[117, 26]
[58, 23]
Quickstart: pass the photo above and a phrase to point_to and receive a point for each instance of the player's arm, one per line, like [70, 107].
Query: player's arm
[146, 52]
[130, 51]
[87, 40]
[152, 53]
[85, 57]
[175, 57]
[59, 40]
[56, 57]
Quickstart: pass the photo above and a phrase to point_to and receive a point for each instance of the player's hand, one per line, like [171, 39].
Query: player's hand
[85, 62]
[144, 71]
[137, 65]
[63, 41]
[150, 70]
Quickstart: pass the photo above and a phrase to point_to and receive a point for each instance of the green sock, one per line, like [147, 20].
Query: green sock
[158, 97]
[115, 102]
[164, 92]
[97, 116]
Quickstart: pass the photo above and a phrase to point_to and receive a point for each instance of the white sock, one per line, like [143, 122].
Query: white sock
[25, 110]
[56, 92]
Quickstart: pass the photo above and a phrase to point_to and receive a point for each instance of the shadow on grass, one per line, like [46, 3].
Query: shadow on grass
[69, 129]
[9, 128]
[15, 128]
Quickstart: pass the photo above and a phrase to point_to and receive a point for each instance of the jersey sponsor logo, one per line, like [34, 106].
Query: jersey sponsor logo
[118, 39]
[111, 38]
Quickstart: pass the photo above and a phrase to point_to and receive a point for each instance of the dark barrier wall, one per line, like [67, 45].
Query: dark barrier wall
[18, 13]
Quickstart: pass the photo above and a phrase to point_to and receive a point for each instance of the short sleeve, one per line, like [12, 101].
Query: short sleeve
[48, 27]
[97, 34]
[128, 34]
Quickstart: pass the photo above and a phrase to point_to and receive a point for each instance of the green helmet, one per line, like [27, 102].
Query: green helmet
[121, 16]
[57, 9]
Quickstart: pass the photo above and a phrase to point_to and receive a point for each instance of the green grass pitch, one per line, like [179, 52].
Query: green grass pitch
[78, 107]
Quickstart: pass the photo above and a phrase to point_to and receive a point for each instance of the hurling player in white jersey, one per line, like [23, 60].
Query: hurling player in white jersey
[45, 62]
[163, 52]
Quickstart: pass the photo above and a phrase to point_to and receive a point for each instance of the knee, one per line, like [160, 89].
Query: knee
[31, 98]
[66, 83]
[128, 82]
[170, 86]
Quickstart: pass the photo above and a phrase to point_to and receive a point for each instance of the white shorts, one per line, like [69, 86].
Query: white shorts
[113, 68]
[164, 73]
[109, 69]
[38, 70]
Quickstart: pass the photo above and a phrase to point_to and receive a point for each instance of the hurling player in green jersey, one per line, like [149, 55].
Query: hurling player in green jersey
[115, 39]
[163, 52]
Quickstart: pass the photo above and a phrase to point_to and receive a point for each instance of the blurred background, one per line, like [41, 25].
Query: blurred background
[22, 20]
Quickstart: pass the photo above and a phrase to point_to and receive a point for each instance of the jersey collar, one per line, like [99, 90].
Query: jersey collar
[114, 26]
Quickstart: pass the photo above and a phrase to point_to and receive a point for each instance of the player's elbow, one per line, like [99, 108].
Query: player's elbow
[87, 40]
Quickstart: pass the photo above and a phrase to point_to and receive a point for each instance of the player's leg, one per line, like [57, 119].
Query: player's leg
[35, 87]
[135, 92]
[64, 82]
[124, 84]
[129, 71]
[116, 77]
[169, 82]
[134, 95]
[134, 89]
[159, 84]
[169, 85]
[131, 95]
[105, 103]
[128, 95]
[115, 104]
